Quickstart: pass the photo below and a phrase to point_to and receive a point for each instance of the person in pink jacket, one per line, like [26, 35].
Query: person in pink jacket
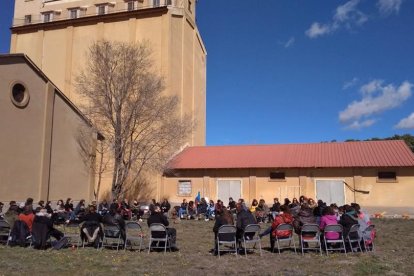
[328, 218]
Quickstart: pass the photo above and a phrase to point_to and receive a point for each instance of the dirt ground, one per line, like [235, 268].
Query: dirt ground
[393, 256]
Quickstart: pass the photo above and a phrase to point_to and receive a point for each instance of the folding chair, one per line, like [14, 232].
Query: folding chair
[354, 238]
[310, 234]
[111, 236]
[334, 228]
[158, 234]
[5, 231]
[73, 233]
[368, 238]
[251, 235]
[285, 227]
[226, 235]
[134, 234]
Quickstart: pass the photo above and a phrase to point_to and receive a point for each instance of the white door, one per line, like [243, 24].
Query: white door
[331, 191]
[228, 188]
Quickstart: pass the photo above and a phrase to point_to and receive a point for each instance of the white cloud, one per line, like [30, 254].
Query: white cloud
[289, 42]
[349, 84]
[406, 123]
[371, 87]
[318, 29]
[347, 15]
[376, 99]
[356, 125]
[387, 7]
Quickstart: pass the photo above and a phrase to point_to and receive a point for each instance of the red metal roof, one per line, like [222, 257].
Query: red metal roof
[391, 153]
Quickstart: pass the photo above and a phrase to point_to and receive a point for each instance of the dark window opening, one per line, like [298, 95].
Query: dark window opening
[387, 175]
[277, 175]
[19, 92]
[28, 19]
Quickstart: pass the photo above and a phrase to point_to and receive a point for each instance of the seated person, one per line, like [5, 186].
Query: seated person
[262, 211]
[305, 216]
[244, 218]
[183, 209]
[103, 207]
[328, 218]
[91, 227]
[253, 206]
[275, 208]
[349, 218]
[224, 217]
[191, 210]
[114, 217]
[157, 217]
[27, 216]
[43, 229]
[165, 207]
[232, 205]
[126, 209]
[12, 213]
[202, 208]
[284, 216]
[210, 214]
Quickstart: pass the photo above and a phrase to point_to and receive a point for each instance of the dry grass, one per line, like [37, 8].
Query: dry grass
[394, 243]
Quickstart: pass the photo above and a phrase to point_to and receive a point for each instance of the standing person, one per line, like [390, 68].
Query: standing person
[244, 218]
[157, 217]
[224, 217]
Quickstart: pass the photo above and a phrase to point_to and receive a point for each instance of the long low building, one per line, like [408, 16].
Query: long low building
[379, 175]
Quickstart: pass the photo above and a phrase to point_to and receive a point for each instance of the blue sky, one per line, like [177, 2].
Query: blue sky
[302, 71]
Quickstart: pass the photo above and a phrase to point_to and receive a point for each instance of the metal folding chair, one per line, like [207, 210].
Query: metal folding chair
[226, 235]
[5, 231]
[353, 238]
[279, 241]
[251, 236]
[158, 234]
[111, 236]
[134, 234]
[72, 231]
[310, 234]
[367, 238]
[334, 228]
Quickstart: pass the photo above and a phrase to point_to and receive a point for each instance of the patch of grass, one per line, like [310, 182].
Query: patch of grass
[195, 238]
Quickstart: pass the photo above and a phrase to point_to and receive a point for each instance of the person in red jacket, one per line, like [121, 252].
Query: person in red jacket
[284, 217]
[27, 216]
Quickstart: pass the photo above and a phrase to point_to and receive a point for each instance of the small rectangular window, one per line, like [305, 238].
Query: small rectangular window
[277, 176]
[184, 187]
[189, 5]
[73, 13]
[130, 5]
[388, 176]
[28, 19]
[47, 17]
[101, 9]
[156, 3]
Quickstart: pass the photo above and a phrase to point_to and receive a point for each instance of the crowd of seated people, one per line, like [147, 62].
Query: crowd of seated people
[296, 212]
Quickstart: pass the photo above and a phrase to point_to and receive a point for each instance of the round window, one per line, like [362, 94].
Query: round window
[19, 95]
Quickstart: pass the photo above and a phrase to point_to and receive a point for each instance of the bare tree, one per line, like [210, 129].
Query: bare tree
[125, 100]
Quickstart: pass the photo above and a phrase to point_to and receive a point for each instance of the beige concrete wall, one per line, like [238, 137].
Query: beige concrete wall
[390, 196]
[70, 176]
[40, 157]
[21, 135]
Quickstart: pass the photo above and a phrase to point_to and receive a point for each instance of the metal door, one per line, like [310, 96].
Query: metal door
[228, 188]
[331, 191]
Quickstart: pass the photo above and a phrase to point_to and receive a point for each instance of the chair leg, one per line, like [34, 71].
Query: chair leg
[149, 246]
